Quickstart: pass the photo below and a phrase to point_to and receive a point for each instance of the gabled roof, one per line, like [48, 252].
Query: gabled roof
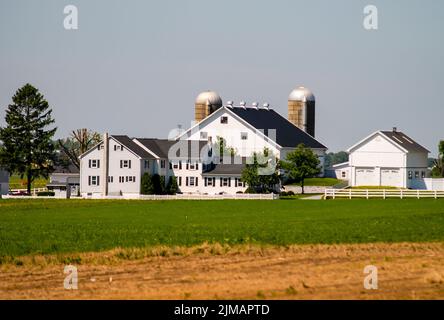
[287, 134]
[397, 138]
[132, 146]
[161, 147]
[403, 140]
[263, 120]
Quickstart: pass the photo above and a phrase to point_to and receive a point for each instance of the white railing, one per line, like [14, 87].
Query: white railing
[382, 193]
[34, 191]
[238, 196]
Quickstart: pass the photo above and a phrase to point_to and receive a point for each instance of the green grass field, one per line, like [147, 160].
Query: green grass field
[15, 182]
[327, 182]
[68, 226]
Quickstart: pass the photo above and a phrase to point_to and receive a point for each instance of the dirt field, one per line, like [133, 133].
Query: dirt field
[405, 271]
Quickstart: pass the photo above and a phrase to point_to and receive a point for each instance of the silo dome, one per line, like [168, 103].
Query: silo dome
[301, 94]
[209, 96]
[206, 103]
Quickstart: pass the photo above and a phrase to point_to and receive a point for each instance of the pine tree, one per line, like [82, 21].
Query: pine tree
[27, 147]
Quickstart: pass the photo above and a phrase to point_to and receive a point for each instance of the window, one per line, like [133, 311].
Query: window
[162, 164]
[225, 182]
[416, 174]
[180, 181]
[209, 181]
[171, 165]
[110, 179]
[244, 135]
[410, 175]
[423, 174]
[125, 164]
[191, 166]
[239, 183]
[191, 181]
[121, 179]
[203, 135]
[130, 179]
[224, 120]
[343, 174]
[146, 164]
[176, 165]
[95, 163]
[93, 180]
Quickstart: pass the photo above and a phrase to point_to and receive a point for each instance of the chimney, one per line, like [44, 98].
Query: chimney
[105, 163]
[395, 129]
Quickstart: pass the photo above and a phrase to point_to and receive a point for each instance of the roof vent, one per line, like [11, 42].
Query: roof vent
[230, 103]
[242, 103]
[266, 106]
[254, 105]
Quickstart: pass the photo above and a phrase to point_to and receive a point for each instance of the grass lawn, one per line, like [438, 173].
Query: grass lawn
[327, 182]
[15, 182]
[68, 226]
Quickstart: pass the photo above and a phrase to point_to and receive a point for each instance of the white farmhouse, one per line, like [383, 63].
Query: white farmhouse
[388, 158]
[4, 182]
[114, 167]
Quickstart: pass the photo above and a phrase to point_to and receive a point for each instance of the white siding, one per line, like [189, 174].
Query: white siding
[115, 171]
[231, 132]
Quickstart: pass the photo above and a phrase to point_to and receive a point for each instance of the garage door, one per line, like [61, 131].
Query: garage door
[391, 177]
[366, 177]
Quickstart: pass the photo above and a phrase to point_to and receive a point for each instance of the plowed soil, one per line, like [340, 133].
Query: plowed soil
[405, 271]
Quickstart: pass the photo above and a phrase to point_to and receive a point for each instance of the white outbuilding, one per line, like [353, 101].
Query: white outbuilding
[388, 158]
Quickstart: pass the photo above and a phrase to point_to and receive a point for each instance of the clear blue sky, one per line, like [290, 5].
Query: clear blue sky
[135, 67]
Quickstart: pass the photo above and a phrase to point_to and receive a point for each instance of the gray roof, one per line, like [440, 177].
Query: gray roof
[134, 147]
[161, 147]
[232, 168]
[225, 169]
[404, 141]
[68, 169]
[287, 134]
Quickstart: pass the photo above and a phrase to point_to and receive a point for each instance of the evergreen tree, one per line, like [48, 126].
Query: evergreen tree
[27, 147]
[147, 186]
[172, 187]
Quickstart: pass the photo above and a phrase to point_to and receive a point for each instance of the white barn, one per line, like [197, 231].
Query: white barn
[115, 168]
[388, 158]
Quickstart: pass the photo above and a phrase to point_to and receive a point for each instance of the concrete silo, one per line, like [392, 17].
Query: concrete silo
[301, 109]
[206, 103]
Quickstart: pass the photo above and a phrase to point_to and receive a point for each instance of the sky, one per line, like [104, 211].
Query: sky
[136, 67]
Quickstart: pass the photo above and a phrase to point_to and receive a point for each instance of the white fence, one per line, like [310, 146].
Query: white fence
[382, 193]
[244, 196]
[238, 196]
[34, 191]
